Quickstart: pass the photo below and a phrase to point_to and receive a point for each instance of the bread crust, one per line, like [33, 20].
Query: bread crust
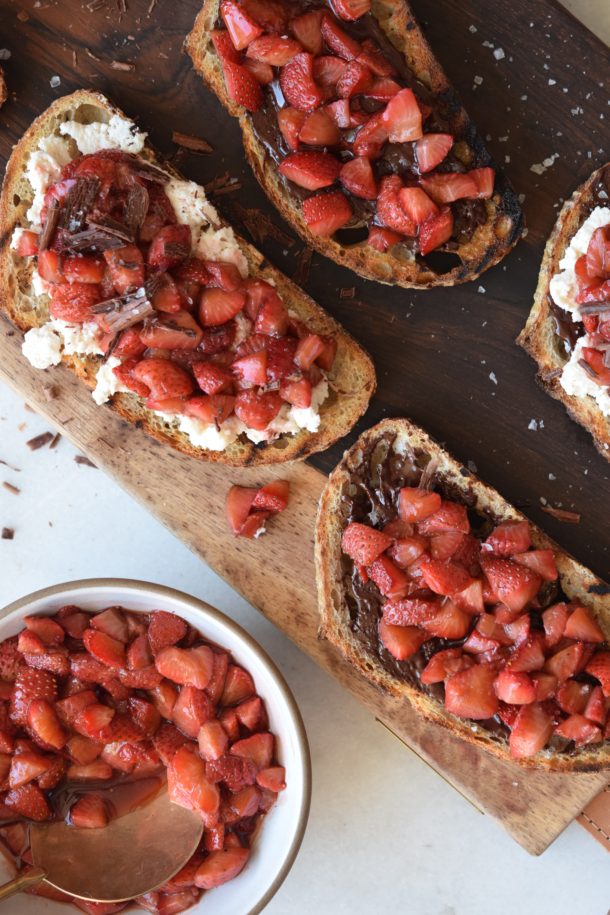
[490, 242]
[538, 337]
[352, 379]
[578, 583]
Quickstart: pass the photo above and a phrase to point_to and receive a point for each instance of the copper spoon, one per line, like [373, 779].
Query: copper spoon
[133, 855]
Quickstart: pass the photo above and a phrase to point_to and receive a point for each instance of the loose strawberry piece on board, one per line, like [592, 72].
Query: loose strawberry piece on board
[238, 506]
[401, 641]
[187, 667]
[258, 748]
[515, 688]
[298, 84]
[273, 50]
[28, 801]
[432, 149]
[515, 585]
[389, 210]
[273, 497]
[242, 86]
[450, 186]
[540, 561]
[531, 731]
[417, 504]
[256, 410]
[217, 306]
[89, 812]
[357, 177]
[509, 537]
[44, 724]
[364, 544]
[240, 26]
[599, 667]
[435, 231]
[326, 213]
[402, 117]
[580, 730]
[188, 786]
[417, 205]
[104, 648]
[581, 626]
[308, 30]
[339, 42]
[221, 866]
[311, 170]
[470, 693]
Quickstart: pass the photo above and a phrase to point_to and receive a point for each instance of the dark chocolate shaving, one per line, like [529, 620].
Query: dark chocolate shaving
[595, 308]
[124, 311]
[561, 514]
[193, 144]
[588, 369]
[79, 201]
[39, 441]
[112, 227]
[7, 533]
[149, 172]
[136, 208]
[50, 224]
[88, 240]
[81, 459]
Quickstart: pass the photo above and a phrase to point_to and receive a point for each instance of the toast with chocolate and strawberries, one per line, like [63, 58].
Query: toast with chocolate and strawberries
[444, 595]
[357, 136]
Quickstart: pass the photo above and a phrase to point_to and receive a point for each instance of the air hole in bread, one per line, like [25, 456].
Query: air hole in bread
[16, 200]
[442, 261]
[352, 236]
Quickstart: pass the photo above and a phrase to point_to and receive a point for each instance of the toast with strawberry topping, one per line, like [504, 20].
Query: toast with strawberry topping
[443, 594]
[345, 113]
[114, 264]
[568, 329]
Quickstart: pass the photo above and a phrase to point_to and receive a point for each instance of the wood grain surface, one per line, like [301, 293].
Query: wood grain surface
[446, 358]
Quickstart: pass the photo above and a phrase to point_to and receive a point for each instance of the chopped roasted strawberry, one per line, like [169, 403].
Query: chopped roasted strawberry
[273, 778]
[450, 622]
[357, 79]
[351, 9]
[215, 408]
[72, 302]
[169, 247]
[565, 663]
[382, 239]
[417, 205]
[50, 266]
[470, 693]
[595, 709]
[599, 667]
[327, 71]
[273, 50]
[554, 620]
[410, 611]
[297, 393]
[186, 666]
[258, 748]
[540, 561]
[358, 178]
[44, 724]
[163, 377]
[515, 688]
[445, 664]
[581, 626]
[364, 544]
[28, 801]
[104, 648]
[290, 122]
[167, 741]
[389, 209]
[225, 48]
[298, 84]
[164, 696]
[257, 410]
[402, 118]
[371, 137]
[528, 656]
[26, 766]
[598, 254]
[595, 359]
[515, 584]
[273, 496]
[213, 740]
[89, 812]
[390, 580]
[579, 729]
[242, 86]
[435, 231]
[191, 710]
[449, 186]
[572, 696]
[240, 26]
[238, 506]
[238, 686]
[443, 576]
[212, 378]
[217, 306]
[484, 178]
[531, 731]
[383, 88]
[326, 213]
[339, 42]
[406, 550]
[508, 538]
[94, 722]
[27, 243]
[311, 170]
[401, 641]
[164, 629]
[307, 29]
[417, 504]
[432, 149]
[84, 269]
[251, 370]
[30, 684]
[221, 866]
[126, 266]
[189, 787]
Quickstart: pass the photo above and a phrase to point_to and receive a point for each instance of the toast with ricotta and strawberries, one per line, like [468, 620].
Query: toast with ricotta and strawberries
[114, 264]
[358, 138]
[445, 596]
[568, 329]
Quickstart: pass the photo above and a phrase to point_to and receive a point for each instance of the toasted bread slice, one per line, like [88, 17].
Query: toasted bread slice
[460, 485]
[352, 378]
[490, 242]
[539, 338]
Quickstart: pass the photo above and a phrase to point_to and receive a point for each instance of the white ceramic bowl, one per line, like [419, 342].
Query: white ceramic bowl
[278, 842]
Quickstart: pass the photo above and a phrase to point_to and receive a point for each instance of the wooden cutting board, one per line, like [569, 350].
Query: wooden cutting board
[446, 358]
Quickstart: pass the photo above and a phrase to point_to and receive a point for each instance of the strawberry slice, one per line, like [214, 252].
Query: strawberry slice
[240, 26]
[599, 667]
[257, 410]
[554, 620]
[401, 641]
[508, 537]
[545, 685]
[450, 622]
[515, 585]
[515, 688]
[188, 786]
[450, 186]
[357, 79]
[311, 170]
[47, 629]
[225, 48]
[251, 370]
[290, 122]
[351, 9]
[44, 724]
[238, 505]
[435, 231]
[239, 685]
[572, 696]
[403, 118]
[382, 239]
[94, 722]
[50, 266]
[308, 350]
[484, 178]
[258, 749]
[273, 496]
[370, 139]
[213, 740]
[580, 730]
[104, 648]
[567, 662]
[26, 766]
[432, 149]
[69, 708]
[273, 50]
[170, 246]
[146, 678]
[383, 88]
[298, 393]
[417, 205]
[28, 801]
[186, 666]
[72, 302]
[581, 626]
[364, 544]
[217, 306]
[326, 213]
[164, 629]
[339, 42]
[212, 378]
[417, 504]
[391, 581]
[470, 693]
[221, 866]
[163, 377]
[298, 84]
[444, 664]
[242, 86]
[307, 29]
[406, 550]
[357, 177]
[167, 741]
[10, 659]
[389, 210]
[540, 561]
[528, 656]
[93, 772]
[273, 778]
[319, 129]
[595, 709]
[252, 714]
[531, 731]
[30, 684]
[89, 812]
[444, 576]
[262, 73]
[598, 254]
[327, 71]
[191, 710]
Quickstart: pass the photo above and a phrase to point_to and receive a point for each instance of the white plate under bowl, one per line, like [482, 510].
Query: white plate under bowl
[279, 839]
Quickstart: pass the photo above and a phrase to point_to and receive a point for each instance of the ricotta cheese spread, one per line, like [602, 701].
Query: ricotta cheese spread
[44, 346]
[564, 289]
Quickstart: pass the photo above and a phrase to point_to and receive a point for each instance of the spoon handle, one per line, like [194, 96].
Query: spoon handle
[21, 882]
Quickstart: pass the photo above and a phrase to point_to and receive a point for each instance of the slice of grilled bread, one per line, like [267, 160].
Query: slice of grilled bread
[459, 484]
[490, 242]
[352, 379]
[538, 336]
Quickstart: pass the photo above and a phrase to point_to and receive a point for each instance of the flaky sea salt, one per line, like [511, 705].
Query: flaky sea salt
[54, 82]
[492, 377]
[499, 54]
[4, 54]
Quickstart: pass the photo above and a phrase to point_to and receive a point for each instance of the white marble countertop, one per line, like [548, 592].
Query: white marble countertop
[385, 832]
